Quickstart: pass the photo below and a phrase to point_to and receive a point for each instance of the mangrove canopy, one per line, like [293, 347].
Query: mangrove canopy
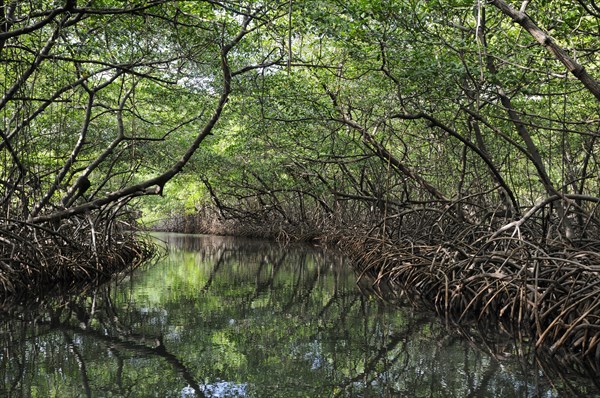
[449, 146]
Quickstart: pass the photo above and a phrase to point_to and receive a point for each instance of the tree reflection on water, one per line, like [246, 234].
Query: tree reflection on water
[224, 317]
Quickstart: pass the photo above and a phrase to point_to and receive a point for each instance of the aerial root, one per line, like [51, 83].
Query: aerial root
[549, 293]
[35, 259]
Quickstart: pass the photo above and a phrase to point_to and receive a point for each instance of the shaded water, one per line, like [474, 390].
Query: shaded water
[223, 317]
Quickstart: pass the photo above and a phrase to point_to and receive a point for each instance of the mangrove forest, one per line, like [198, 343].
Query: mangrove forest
[448, 149]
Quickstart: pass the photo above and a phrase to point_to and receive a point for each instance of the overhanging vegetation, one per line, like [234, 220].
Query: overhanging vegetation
[449, 146]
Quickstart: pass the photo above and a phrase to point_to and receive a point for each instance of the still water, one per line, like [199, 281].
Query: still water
[224, 317]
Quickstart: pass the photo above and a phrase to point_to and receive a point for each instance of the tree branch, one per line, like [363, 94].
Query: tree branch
[545, 40]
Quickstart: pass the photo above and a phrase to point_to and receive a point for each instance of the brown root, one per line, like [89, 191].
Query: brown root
[35, 259]
[548, 291]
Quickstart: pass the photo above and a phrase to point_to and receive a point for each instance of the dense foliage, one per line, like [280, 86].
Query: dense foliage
[380, 106]
[335, 110]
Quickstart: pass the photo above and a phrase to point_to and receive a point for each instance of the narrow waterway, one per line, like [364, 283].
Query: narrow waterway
[225, 317]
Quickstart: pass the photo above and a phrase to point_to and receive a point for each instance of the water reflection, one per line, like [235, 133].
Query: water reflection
[222, 317]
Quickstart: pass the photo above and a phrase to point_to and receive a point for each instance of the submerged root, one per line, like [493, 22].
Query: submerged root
[547, 292]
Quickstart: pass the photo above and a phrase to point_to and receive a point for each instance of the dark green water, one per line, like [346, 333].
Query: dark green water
[223, 317]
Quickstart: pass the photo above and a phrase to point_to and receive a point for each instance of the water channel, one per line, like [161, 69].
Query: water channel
[225, 317]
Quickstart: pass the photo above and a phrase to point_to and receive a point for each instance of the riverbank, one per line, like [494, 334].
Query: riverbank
[469, 275]
[547, 295]
[36, 260]
[207, 221]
